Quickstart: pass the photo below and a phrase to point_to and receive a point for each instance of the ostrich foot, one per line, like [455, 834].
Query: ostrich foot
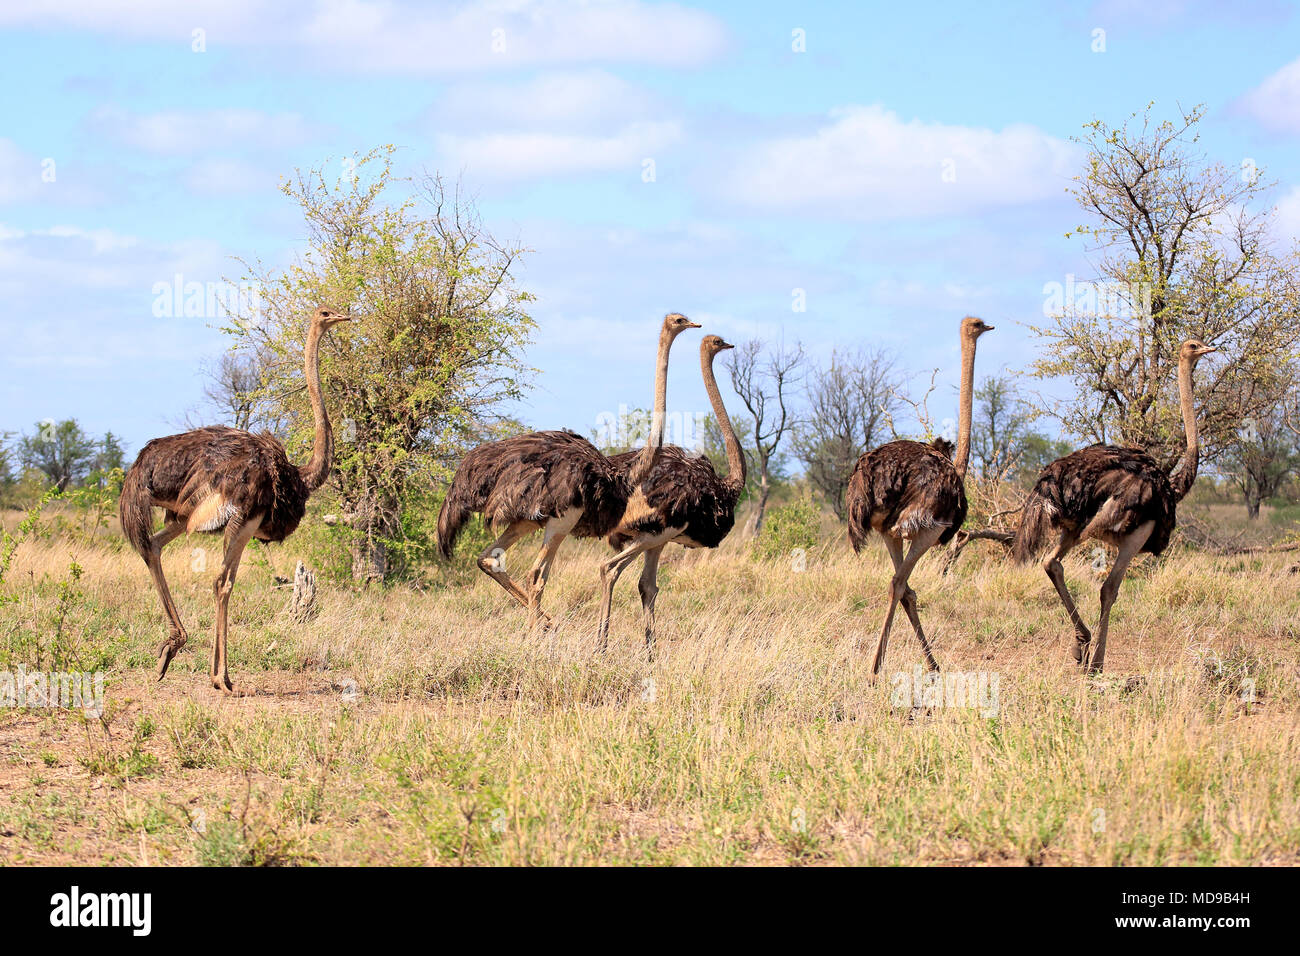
[167, 650]
[228, 689]
[1081, 648]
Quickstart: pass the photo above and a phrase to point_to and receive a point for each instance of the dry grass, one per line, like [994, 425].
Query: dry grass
[404, 727]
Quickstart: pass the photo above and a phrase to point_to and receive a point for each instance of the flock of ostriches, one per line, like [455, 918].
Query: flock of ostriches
[225, 481]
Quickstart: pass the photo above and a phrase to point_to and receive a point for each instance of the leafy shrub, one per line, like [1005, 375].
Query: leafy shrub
[789, 528]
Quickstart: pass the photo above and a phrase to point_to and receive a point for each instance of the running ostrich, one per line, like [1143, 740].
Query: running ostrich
[1116, 495]
[553, 480]
[224, 480]
[911, 491]
[683, 500]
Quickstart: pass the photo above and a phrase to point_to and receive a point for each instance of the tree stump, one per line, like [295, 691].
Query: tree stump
[304, 593]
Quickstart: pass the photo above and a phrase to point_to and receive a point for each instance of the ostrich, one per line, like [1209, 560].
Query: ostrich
[553, 480]
[908, 490]
[682, 500]
[1116, 495]
[225, 480]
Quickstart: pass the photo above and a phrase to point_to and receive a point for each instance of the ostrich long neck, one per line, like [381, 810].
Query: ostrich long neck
[735, 457]
[650, 453]
[317, 470]
[1183, 480]
[962, 456]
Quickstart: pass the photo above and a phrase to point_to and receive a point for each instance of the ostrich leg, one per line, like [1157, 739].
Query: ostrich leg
[615, 566]
[1110, 590]
[898, 589]
[237, 538]
[1056, 573]
[610, 572]
[909, 608]
[177, 638]
[649, 588]
[557, 529]
[492, 561]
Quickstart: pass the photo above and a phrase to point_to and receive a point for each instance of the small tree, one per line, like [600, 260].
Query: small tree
[715, 448]
[111, 454]
[1180, 254]
[6, 461]
[849, 407]
[433, 352]
[232, 388]
[1037, 451]
[628, 431]
[1000, 428]
[62, 451]
[767, 380]
[1264, 456]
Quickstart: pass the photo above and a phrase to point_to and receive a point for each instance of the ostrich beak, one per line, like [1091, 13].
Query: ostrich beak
[692, 325]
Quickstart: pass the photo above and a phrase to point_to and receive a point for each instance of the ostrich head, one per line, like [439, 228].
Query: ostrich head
[713, 344]
[1193, 349]
[675, 323]
[942, 446]
[327, 318]
[972, 327]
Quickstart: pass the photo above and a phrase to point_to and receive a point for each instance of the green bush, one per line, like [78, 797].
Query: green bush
[789, 528]
[413, 555]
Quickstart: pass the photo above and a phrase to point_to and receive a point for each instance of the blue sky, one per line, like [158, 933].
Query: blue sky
[775, 170]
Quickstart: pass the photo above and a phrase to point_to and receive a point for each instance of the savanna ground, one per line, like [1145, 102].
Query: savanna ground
[405, 727]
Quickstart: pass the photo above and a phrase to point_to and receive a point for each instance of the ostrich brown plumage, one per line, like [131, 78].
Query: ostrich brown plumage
[682, 500]
[225, 480]
[1116, 495]
[553, 480]
[911, 491]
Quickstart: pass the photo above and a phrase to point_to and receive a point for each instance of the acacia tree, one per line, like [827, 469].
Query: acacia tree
[232, 388]
[1000, 432]
[433, 352]
[850, 404]
[1261, 460]
[766, 380]
[1178, 253]
[61, 450]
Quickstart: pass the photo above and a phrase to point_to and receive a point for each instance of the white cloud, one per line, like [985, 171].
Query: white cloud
[405, 36]
[67, 259]
[574, 99]
[101, 240]
[1163, 14]
[867, 163]
[25, 177]
[20, 174]
[554, 124]
[81, 297]
[183, 132]
[525, 155]
[228, 177]
[1275, 103]
[1286, 224]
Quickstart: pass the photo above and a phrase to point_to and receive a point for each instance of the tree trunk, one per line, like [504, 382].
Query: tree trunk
[764, 489]
[373, 527]
[1252, 505]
